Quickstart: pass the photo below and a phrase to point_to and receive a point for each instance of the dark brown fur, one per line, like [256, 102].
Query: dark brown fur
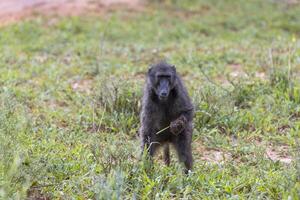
[175, 111]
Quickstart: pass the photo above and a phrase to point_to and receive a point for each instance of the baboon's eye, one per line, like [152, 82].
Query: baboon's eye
[164, 76]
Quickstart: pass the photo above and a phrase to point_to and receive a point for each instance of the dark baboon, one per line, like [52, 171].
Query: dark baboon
[166, 104]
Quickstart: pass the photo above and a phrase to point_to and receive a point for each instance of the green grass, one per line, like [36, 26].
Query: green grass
[70, 98]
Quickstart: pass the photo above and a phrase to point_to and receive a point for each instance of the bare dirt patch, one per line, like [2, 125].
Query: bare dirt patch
[83, 85]
[279, 153]
[211, 155]
[236, 70]
[55, 104]
[215, 156]
[15, 10]
[35, 193]
[276, 153]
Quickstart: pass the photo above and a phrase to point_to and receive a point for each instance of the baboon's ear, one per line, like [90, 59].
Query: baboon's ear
[174, 68]
[150, 69]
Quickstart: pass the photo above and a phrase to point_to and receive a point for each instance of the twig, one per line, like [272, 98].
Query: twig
[101, 119]
[272, 63]
[204, 112]
[271, 59]
[41, 186]
[162, 130]
[211, 81]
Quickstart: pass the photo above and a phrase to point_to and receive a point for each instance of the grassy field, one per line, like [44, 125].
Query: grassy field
[70, 91]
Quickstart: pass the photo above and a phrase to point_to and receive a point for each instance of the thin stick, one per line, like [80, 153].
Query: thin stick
[162, 130]
[211, 81]
[101, 119]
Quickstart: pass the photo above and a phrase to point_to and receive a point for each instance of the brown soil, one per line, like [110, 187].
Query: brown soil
[279, 153]
[83, 85]
[210, 155]
[15, 10]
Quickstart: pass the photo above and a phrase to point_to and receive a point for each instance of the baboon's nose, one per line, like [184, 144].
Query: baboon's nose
[163, 94]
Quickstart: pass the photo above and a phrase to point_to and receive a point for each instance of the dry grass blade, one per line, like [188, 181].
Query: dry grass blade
[162, 130]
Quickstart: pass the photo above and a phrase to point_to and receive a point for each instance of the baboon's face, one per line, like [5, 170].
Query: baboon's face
[163, 80]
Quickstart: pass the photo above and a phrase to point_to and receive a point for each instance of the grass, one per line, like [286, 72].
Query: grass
[70, 99]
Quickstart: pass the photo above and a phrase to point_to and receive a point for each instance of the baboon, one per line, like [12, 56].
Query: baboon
[166, 106]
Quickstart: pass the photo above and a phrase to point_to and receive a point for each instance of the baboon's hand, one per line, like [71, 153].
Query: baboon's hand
[178, 125]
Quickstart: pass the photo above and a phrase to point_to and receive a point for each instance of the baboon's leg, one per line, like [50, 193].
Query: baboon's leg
[184, 151]
[166, 154]
[149, 145]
